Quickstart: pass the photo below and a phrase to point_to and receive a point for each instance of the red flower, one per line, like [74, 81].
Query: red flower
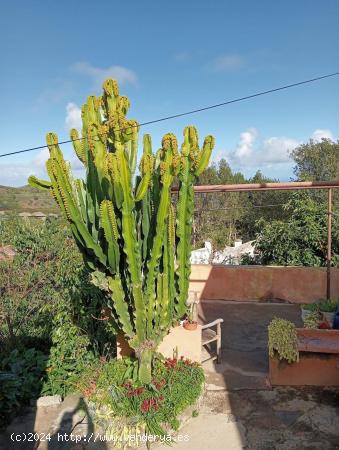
[150, 403]
[160, 384]
[135, 392]
[146, 405]
[171, 363]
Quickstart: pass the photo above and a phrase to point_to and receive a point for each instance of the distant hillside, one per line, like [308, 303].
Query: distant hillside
[26, 199]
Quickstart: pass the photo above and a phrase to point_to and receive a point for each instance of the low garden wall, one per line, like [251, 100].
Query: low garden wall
[262, 283]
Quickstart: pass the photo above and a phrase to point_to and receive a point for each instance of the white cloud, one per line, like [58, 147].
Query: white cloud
[250, 152]
[228, 63]
[269, 152]
[275, 150]
[73, 116]
[98, 75]
[12, 174]
[320, 134]
[245, 146]
[40, 159]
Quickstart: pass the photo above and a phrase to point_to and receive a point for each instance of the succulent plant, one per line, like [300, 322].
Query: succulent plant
[312, 320]
[282, 340]
[135, 243]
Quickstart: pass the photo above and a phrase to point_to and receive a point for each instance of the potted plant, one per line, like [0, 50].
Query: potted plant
[308, 309]
[328, 309]
[190, 323]
[312, 320]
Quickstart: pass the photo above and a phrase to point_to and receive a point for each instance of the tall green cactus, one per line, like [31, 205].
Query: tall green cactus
[134, 243]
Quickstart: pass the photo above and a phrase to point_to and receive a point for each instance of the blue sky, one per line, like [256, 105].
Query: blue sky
[171, 57]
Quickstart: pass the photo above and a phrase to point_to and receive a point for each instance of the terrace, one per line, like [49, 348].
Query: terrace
[240, 407]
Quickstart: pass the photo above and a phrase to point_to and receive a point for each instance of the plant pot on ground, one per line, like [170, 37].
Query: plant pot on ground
[191, 323]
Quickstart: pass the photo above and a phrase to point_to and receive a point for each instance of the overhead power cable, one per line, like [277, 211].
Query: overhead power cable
[194, 111]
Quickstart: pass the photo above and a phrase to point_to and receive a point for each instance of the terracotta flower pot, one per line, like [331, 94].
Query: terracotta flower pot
[190, 325]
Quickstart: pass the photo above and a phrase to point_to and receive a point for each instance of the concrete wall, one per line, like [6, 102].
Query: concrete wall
[261, 283]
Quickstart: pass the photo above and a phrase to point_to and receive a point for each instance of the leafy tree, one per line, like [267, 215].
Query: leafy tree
[265, 206]
[302, 239]
[224, 217]
[318, 161]
[217, 214]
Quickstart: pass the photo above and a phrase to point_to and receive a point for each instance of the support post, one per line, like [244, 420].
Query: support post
[329, 244]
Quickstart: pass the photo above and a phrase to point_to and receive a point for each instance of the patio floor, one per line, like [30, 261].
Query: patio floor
[239, 409]
[278, 419]
[244, 341]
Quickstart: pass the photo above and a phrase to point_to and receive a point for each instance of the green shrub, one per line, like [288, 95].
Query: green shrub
[302, 239]
[48, 303]
[46, 269]
[21, 377]
[73, 350]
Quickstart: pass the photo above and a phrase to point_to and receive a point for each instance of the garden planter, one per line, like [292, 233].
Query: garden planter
[190, 325]
[318, 361]
[178, 341]
[318, 341]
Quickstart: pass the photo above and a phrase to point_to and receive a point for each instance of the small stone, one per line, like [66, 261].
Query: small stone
[49, 400]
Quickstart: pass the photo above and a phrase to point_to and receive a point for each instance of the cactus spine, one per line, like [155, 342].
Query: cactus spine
[126, 227]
